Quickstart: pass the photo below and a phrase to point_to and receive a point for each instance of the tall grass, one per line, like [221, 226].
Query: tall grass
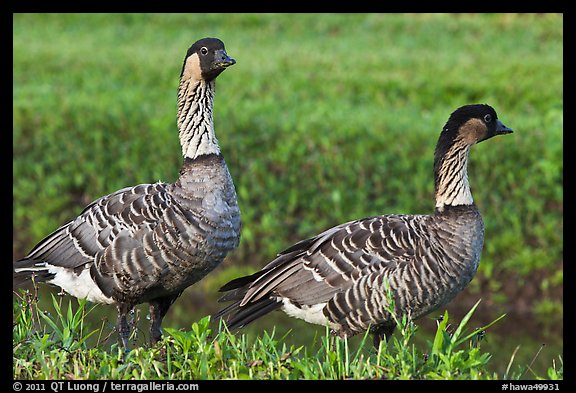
[59, 349]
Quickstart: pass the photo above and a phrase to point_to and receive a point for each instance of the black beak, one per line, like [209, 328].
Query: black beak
[501, 128]
[222, 60]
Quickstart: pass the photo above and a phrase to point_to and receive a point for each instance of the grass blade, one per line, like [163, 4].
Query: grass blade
[439, 337]
[477, 331]
[510, 362]
[463, 324]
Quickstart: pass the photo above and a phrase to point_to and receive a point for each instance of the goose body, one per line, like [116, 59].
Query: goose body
[340, 277]
[148, 243]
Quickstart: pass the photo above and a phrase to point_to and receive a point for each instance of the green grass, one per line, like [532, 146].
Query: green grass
[324, 119]
[55, 347]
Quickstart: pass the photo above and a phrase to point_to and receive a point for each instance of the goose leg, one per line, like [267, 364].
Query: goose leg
[158, 309]
[122, 326]
[382, 331]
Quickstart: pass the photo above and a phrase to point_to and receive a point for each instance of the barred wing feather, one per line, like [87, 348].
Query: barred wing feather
[115, 236]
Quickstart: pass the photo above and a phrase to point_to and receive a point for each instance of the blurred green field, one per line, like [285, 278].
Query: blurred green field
[325, 118]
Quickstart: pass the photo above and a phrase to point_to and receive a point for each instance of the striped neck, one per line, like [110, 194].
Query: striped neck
[195, 123]
[451, 176]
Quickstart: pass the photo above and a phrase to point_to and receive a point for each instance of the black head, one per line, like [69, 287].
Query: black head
[468, 125]
[206, 59]
[474, 123]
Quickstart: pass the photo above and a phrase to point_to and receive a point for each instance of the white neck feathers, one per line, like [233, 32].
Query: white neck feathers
[195, 122]
[452, 187]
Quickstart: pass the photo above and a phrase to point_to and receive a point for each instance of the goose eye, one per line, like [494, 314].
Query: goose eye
[204, 50]
[488, 118]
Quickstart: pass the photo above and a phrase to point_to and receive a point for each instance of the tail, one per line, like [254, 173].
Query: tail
[255, 295]
[238, 315]
[33, 267]
[27, 271]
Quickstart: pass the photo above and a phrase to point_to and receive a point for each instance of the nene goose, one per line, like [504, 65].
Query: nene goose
[150, 242]
[340, 276]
